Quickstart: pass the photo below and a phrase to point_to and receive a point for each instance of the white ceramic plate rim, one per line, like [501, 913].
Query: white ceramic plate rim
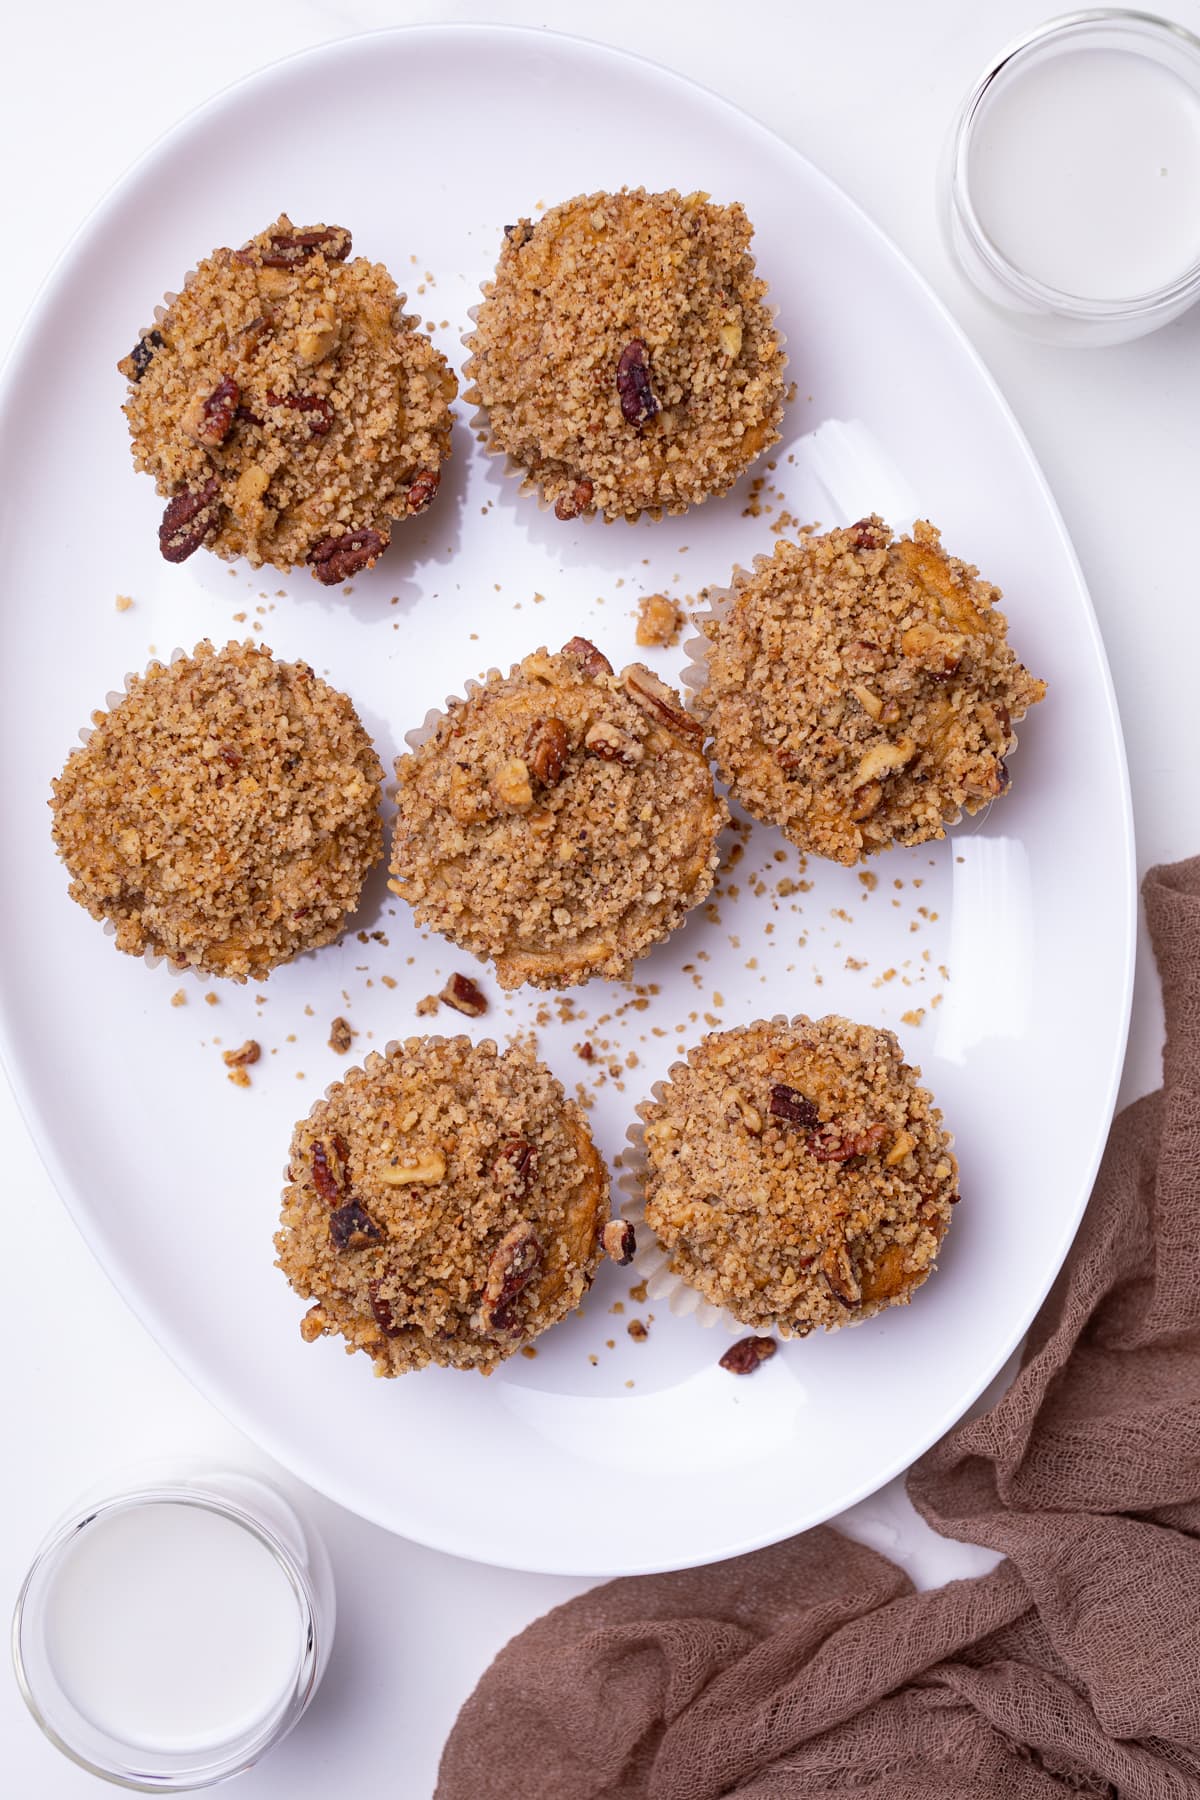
[88, 1221]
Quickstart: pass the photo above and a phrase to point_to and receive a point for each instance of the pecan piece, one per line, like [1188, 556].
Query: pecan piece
[514, 1263]
[827, 1146]
[335, 559]
[869, 534]
[134, 366]
[250, 1052]
[320, 411]
[290, 248]
[427, 1170]
[619, 1240]
[747, 1354]
[790, 1104]
[516, 1164]
[328, 1161]
[422, 488]
[840, 1274]
[633, 383]
[464, 996]
[208, 422]
[546, 750]
[592, 662]
[611, 744]
[569, 506]
[352, 1228]
[384, 1317]
[189, 518]
[660, 702]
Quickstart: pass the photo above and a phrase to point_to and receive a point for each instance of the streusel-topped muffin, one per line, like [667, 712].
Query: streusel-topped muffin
[561, 820]
[224, 813]
[287, 406]
[445, 1203]
[797, 1174]
[624, 353]
[861, 691]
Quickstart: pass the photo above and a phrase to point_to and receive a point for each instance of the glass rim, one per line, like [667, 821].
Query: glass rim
[205, 1768]
[1039, 293]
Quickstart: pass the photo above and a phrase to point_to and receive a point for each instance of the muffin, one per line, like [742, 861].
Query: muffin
[860, 690]
[624, 355]
[561, 820]
[224, 813]
[797, 1175]
[445, 1203]
[286, 406]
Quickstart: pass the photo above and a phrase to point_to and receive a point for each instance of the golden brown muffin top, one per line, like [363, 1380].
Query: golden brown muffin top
[861, 691]
[288, 407]
[445, 1203]
[797, 1174]
[561, 820]
[624, 353]
[224, 813]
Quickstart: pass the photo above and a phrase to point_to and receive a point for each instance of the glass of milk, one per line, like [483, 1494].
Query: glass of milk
[1071, 182]
[166, 1637]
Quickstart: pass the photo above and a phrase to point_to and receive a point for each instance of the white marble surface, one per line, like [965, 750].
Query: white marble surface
[866, 89]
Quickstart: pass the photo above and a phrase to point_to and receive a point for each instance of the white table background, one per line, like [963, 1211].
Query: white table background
[866, 89]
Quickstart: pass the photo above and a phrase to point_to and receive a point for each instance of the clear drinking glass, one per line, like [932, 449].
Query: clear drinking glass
[1031, 304]
[282, 1551]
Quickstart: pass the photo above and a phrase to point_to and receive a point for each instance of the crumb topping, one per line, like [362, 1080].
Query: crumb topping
[797, 1174]
[224, 814]
[445, 1204]
[861, 691]
[561, 820]
[285, 402]
[624, 354]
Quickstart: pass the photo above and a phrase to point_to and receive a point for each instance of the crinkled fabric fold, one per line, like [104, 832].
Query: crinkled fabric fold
[815, 1668]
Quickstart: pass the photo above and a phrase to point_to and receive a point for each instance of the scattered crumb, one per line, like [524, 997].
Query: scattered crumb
[124, 602]
[915, 1017]
[659, 620]
[637, 1331]
[179, 997]
[250, 1052]
[239, 1078]
[638, 1292]
[389, 981]
[341, 1035]
[211, 999]
[427, 1005]
[529, 1351]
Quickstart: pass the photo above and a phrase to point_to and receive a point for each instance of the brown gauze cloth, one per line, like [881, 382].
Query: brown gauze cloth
[815, 1668]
